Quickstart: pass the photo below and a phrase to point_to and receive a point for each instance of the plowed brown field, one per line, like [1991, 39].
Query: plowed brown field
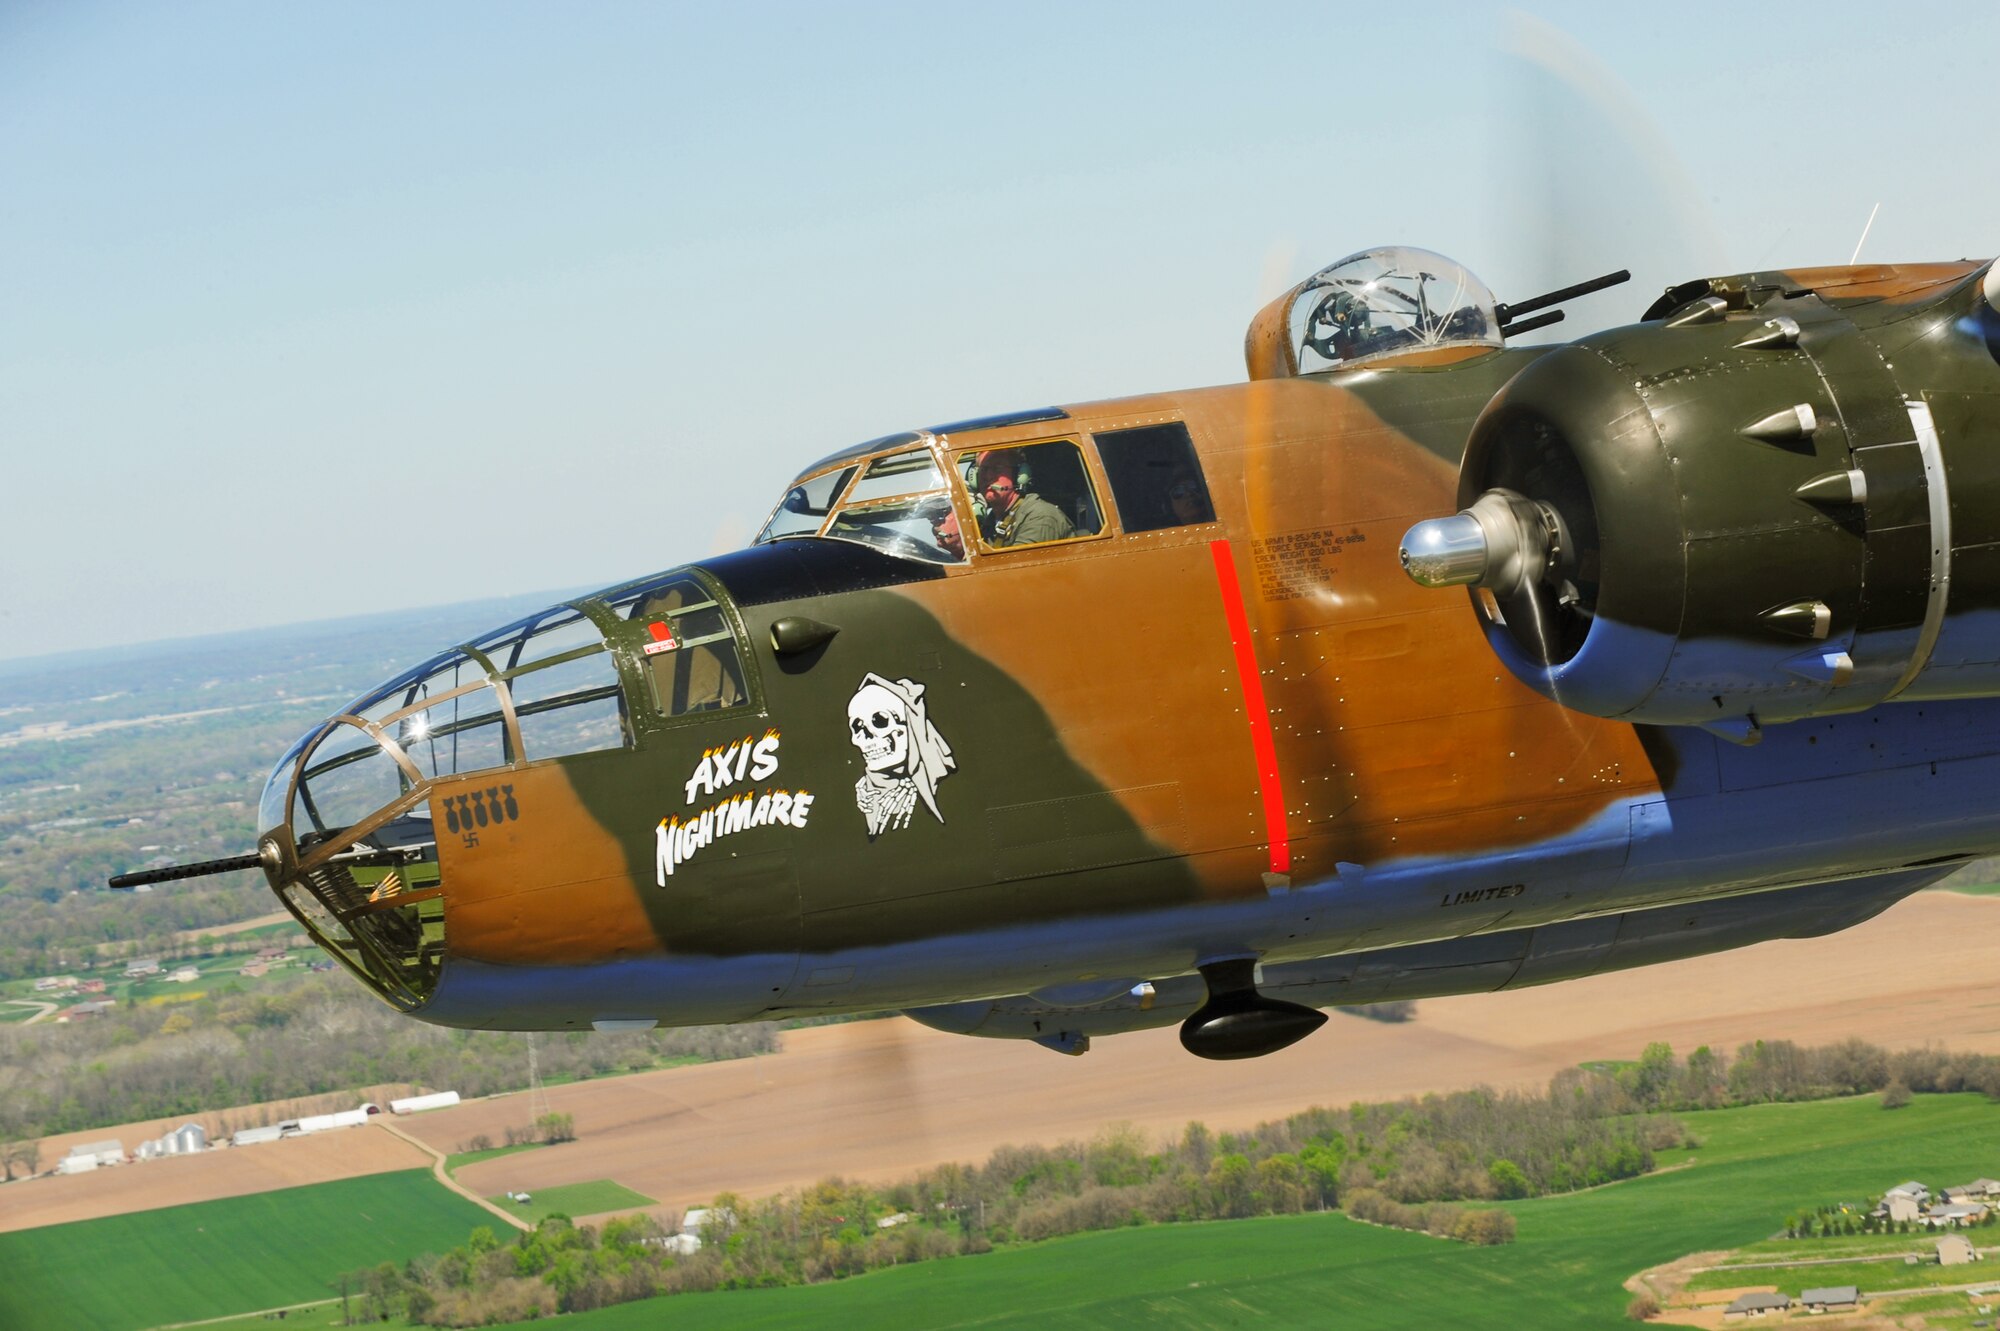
[876, 1100]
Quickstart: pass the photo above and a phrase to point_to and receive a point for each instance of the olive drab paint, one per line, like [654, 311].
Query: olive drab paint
[1091, 775]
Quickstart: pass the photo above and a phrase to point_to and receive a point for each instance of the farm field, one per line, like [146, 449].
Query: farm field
[1565, 1271]
[235, 1171]
[876, 1100]
[575, 1200]
[215, 1258]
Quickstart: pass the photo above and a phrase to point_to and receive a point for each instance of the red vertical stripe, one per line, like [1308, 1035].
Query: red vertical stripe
[1261, 741]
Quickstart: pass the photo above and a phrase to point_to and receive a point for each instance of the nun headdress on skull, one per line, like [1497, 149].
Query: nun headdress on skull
[889, 723]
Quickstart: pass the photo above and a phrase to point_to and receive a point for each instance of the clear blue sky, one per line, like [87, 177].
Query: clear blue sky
[307, 310]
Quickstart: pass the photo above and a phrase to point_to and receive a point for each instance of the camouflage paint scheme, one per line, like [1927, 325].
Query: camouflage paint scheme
[1420, 820]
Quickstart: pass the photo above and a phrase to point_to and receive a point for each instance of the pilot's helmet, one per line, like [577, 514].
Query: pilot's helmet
[1346, 310]
[1337, 323]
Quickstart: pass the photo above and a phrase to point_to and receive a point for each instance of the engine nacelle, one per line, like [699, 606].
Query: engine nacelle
[1742, 512]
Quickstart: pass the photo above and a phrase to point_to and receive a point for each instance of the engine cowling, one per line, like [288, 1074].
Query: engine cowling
[1734, 514]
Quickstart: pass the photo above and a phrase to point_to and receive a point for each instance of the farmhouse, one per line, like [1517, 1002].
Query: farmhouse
[1756, 1305]
[1900, 1206]
[1956, 1250]
[1954, 1215]
[139, 970]
[96, 1007]
[184, 975]
[688, 1241]
[1834, 1298]
[1979, 1190]
[697, 1219]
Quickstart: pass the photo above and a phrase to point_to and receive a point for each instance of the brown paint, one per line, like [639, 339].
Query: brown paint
[1898, 283]
[551, 886]
[1390, 711]
[1413, 725]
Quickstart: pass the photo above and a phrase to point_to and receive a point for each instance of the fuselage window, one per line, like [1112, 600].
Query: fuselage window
[1155, 477]
[1031, 494]
[563, 684]
[691, 660]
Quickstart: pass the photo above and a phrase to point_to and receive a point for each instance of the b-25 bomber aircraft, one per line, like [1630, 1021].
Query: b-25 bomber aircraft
[1074, 721]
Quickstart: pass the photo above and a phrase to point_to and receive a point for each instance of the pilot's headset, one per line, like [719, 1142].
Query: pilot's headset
[1019, 470]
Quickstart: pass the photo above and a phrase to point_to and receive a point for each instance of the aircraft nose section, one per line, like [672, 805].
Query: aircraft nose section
[351, 816]
[348, 839]
[348, 847]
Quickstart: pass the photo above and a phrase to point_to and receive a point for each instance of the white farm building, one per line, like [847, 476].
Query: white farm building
[83, 1159]
[416, 1104]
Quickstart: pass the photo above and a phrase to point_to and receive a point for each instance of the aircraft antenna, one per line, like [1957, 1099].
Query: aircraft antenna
[1866, 228]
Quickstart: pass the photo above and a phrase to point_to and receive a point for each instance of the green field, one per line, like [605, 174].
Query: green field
[575, 1199]
[185, 1263]
[1756, 1166]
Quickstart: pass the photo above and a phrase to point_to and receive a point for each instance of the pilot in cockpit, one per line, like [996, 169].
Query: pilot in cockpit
[944, 527]
[1338, 325]
[1015, 516]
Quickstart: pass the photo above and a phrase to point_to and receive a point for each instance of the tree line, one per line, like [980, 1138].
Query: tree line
[1774, 1070]
[319, 1034]
[837, 1228]
[1438, 1163]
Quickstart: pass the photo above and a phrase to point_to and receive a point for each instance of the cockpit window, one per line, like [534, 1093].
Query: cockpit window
[805, 506]
[913, 527]
[1031, 494]
[1388, 302]
[898, 503]
[912, 472]
[691, 660]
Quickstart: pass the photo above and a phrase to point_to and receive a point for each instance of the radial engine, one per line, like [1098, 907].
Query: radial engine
[1777, 497]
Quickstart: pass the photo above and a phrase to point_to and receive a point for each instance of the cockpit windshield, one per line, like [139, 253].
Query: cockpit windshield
[898, 502]
[803, 510]
[1388, 302]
